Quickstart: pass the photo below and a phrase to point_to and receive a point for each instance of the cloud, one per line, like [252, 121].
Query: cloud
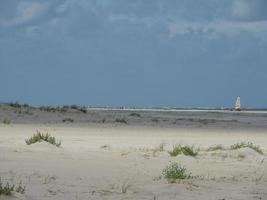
[25, 12]
[30, 11]
[249, 10]
[241, 9]
[214, 29]
[82, 18]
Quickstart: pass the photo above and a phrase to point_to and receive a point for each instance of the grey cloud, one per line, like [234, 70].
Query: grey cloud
[83, 18]
[23, 12]
[249, 10]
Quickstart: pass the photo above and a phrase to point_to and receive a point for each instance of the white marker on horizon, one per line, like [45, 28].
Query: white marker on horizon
[238, 104]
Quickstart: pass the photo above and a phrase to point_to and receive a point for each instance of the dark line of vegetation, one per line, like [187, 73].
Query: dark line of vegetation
[18, 105]
[63, 108]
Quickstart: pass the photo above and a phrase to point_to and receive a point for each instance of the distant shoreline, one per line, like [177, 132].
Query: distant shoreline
[134, 108]
[178, 109]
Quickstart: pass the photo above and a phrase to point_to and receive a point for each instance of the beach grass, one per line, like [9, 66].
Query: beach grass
[6, 121]
[186, 150]
[40, 137]
[135, 115]
[216, 147]
[70, 120]
[120, 120]
[8, 188]
[175, 172]
[247, 145]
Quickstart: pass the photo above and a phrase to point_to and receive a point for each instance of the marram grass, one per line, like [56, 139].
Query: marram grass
[175, 172]
[8, 188]
[247, 145]
[40, 137]
[186, 150]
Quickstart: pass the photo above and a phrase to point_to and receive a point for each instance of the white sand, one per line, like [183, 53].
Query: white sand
[83, 169]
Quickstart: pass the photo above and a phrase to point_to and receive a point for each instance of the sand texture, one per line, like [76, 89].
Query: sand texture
[102, 157]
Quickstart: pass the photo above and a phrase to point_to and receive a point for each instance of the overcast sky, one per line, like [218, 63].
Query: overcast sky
[134, 52]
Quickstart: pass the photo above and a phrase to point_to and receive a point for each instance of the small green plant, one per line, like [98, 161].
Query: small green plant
[161, 146]
[6, 121]
[125, 187]
[24, 111]
[48, 108]
[78, 108]
[63, 109]
[247, 145]
[241, 156]
[8, 189]
[216, 148]
[135, 115]
[238, 146]
[123, 121]
[175, 151]
[155, 120]
[68, 120]
[107, 147]
[186, 150]
[20, 189]
[175, 172]
[40, 137]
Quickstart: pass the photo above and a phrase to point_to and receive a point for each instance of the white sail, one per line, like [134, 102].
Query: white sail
[238, 104]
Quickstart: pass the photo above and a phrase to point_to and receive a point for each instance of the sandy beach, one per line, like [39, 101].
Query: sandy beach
[101, 157]
[133, 100]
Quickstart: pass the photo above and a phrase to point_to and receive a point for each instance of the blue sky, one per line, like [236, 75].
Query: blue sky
[134, 52]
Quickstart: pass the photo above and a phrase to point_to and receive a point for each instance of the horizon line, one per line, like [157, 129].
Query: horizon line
[14, 104]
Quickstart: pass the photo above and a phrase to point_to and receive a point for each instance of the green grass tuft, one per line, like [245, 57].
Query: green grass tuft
[66, 120]
[162, 146]
[40, 137]
[135, 115]
[123, 121]
[216, 147]
[246, 145]
[186, 150]
[175, 172]
[20, 189]
[8, 189]
[6, 121]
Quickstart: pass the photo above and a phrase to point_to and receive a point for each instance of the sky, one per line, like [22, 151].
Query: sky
[152, 53]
